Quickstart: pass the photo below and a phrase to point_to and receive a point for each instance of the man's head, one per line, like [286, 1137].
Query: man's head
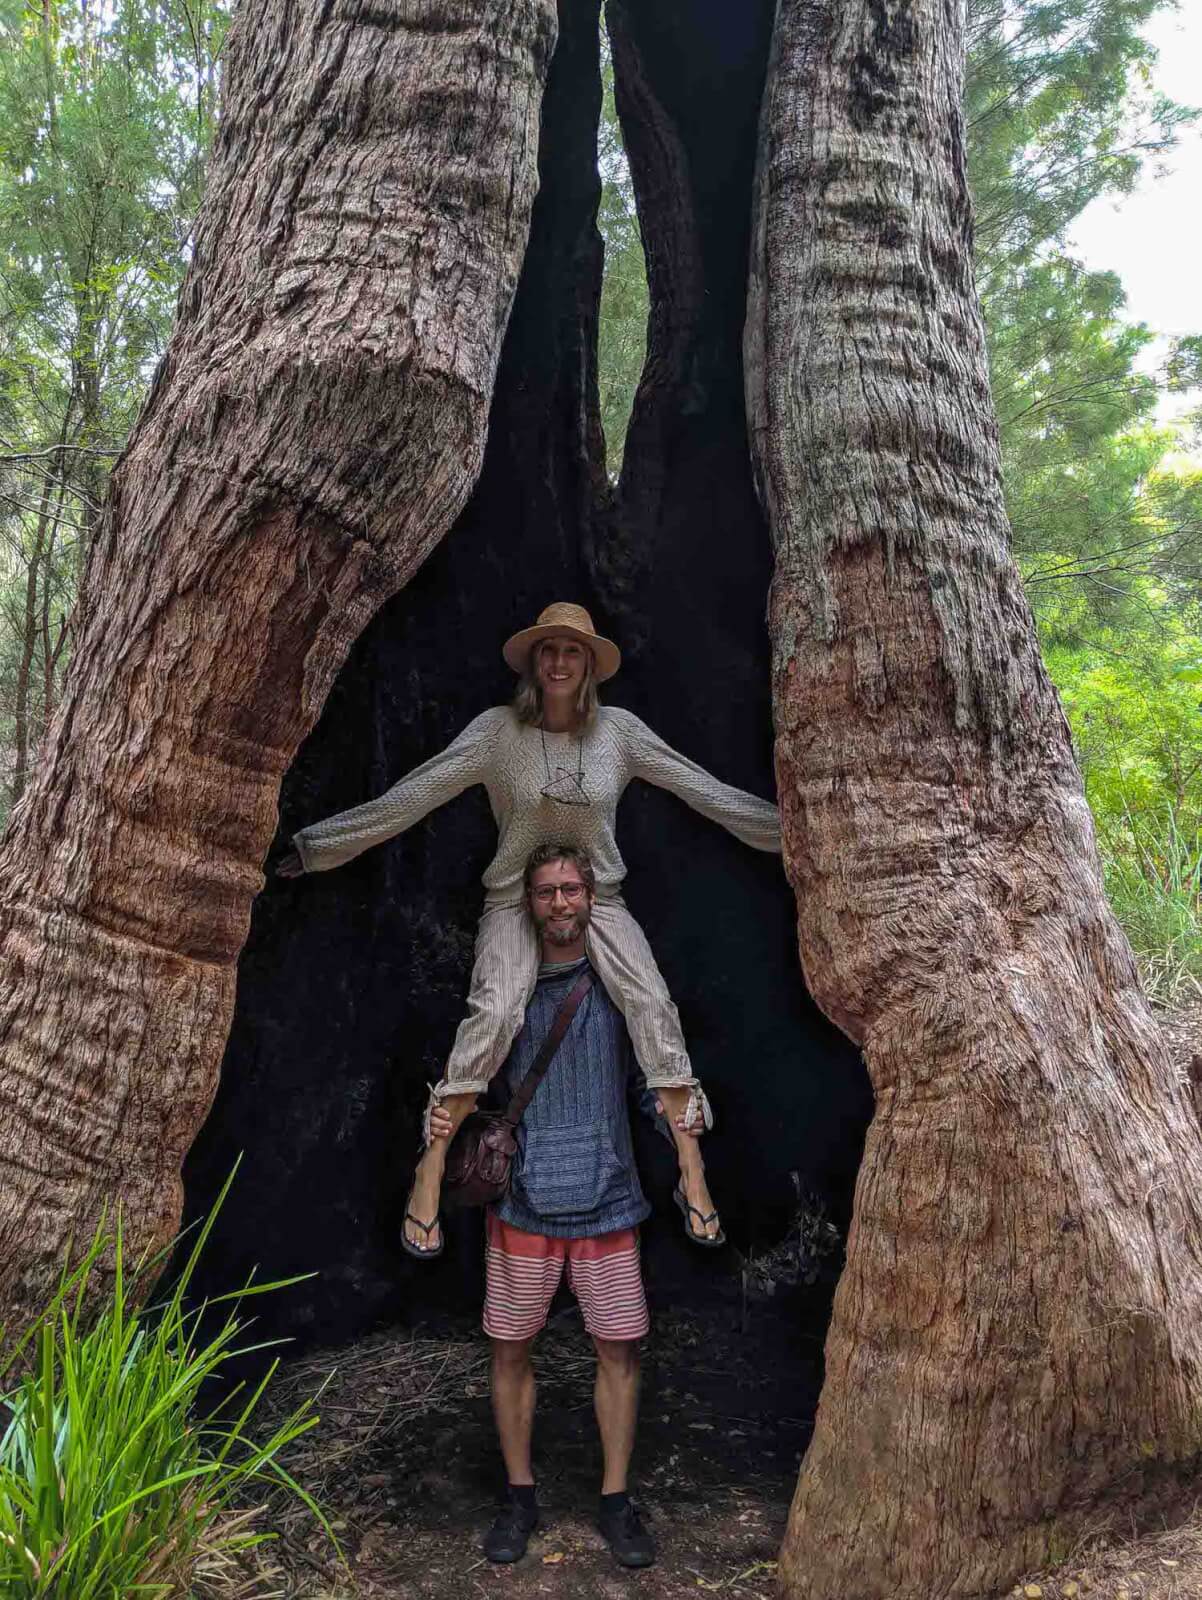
[559, 886]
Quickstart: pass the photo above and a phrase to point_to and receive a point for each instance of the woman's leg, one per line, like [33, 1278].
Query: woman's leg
[622, 959]
[503, 979]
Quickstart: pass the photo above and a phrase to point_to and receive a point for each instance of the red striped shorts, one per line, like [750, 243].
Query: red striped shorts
[522, 1272]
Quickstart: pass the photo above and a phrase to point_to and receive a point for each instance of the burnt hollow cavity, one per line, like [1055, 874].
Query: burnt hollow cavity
[352, 983]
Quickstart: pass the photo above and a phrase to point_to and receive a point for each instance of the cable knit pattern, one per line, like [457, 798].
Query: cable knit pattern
[507, 757]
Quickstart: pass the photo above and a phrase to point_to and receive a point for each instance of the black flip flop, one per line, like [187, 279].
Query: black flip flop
[703, 1239]
[416, 1250]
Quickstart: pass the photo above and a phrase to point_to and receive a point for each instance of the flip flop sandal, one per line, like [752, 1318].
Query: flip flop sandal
[417, 1251]
[703, 1239]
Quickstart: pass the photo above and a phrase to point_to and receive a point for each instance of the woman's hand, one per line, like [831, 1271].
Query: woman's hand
[442, 1124]
[290, 866]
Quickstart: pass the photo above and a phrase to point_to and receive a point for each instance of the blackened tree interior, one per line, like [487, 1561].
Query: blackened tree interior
[352, 982]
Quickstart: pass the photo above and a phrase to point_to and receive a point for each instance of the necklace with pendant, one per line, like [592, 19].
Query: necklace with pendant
[566, 787]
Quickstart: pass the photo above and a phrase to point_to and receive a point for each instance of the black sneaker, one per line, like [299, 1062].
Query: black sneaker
[626, 1536]
[509, 1535]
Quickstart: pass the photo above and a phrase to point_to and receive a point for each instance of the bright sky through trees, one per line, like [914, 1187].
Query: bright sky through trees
[1153, 237]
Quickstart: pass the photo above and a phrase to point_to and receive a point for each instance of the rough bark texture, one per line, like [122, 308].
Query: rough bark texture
[1018, 1330]
[316, 425]
[352, 982]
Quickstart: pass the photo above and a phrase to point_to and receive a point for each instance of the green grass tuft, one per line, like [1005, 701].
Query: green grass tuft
[111, 1483]
[1154, 879]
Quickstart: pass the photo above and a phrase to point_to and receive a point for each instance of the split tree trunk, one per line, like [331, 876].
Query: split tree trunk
[1018, 1329]
[316, 425]
[682, 578]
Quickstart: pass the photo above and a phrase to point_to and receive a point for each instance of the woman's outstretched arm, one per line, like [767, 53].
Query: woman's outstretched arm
[755, 821]
[341, 838]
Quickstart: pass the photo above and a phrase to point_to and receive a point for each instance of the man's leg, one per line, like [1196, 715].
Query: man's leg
[608, 1282]
[513, 1395]
[521, 1271]
[617, 1402]
[513, 1409]
[616, 1399]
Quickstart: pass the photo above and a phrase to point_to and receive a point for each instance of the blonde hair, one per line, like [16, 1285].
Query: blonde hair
[528, 701]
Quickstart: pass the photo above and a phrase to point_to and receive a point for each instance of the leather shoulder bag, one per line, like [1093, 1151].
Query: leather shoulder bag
[480, 1160]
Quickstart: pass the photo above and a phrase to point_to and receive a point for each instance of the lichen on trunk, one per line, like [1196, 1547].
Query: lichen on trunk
[1017, 1330]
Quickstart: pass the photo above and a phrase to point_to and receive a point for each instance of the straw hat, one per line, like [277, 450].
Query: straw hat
[559, 619]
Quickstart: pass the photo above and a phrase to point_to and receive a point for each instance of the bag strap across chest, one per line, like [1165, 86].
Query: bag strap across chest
[562, 1021]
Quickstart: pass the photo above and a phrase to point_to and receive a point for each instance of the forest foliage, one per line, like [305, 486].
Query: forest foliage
[106, 115]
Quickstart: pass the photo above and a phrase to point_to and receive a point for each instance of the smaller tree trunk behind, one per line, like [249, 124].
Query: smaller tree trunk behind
[1018, 1330]
[316, 425]
[22, 738]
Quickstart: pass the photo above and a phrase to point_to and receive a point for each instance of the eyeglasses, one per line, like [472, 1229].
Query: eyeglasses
[546, 893]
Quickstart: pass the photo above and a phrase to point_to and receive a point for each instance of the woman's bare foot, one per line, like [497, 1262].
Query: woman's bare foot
[696, 1192]
[444, 1120]
[423, 1204]
[674, 1103]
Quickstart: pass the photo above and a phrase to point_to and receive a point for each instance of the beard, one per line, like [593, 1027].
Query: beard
[567, 932]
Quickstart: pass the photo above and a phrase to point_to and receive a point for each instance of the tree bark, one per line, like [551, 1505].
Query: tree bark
[352, 983]
[1017, 1332]
[316, 425]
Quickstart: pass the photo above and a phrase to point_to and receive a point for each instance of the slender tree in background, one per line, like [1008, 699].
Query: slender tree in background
[622, 330]
[1019, 1325]
[316, 425]
[107, 115]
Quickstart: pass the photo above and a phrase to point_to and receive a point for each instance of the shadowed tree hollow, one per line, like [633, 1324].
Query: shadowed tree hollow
[386, 353]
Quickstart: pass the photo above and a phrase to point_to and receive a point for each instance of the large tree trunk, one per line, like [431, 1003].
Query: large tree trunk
[1019, 1326]
[315, 427]
[352, 982]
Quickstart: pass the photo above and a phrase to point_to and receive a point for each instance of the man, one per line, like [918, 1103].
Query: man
[573, 1210]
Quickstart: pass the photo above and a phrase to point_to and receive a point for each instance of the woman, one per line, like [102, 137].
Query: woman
[555, 764]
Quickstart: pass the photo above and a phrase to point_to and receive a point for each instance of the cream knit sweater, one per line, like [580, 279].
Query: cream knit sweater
[507, 757]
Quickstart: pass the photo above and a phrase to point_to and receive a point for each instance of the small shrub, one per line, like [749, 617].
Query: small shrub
[111, 1485]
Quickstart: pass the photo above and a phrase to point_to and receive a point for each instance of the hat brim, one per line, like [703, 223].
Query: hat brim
[607, 658]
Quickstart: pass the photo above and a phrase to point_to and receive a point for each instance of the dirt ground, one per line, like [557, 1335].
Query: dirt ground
[406, 1464]
[405, 1461]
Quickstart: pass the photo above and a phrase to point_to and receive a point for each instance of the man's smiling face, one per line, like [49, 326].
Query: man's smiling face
[559, 902]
